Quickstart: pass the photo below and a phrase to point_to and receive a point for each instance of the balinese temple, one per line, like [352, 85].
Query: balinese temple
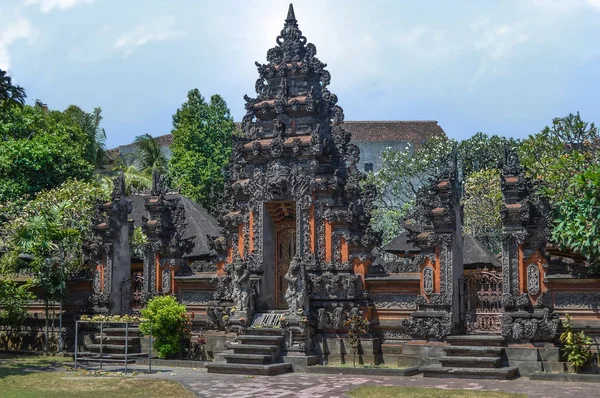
[293, 259]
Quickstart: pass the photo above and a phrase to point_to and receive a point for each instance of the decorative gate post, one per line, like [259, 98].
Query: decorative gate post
[524, 229]
[438, 213]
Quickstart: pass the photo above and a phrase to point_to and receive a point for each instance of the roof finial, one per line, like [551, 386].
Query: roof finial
[291, 17]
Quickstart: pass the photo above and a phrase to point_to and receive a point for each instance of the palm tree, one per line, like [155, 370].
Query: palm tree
[89, 123]
[38, 245]
[148, 154]
[10, 94]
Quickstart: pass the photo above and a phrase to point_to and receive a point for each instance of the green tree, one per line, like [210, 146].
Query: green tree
[10, 94]
[89, 124]
[38, 245]
[38, 151]
[45, 237]
[202, 140]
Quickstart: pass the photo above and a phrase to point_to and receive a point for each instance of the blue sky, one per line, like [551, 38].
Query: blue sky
[501, 67]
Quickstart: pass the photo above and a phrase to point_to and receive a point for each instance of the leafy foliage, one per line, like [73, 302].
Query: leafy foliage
[357, 327]
[39, 150]
[14, 299]
[148, 154]
[482, 202]
[576, 346]
[202, 140]
[169, 323]
[138, 239]
[577, 214]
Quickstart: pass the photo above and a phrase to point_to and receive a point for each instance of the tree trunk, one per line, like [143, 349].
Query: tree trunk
[46, 308]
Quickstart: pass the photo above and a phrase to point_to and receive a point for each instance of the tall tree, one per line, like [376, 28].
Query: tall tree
[202, 140]
[90, 125]
[10, 94]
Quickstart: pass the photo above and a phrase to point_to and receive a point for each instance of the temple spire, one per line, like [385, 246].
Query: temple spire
[291, 17]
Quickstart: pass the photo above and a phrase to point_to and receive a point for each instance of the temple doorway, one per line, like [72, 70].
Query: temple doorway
[283, 216]
[481, 301]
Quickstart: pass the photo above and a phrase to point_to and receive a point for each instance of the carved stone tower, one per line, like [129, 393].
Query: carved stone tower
[296, 218]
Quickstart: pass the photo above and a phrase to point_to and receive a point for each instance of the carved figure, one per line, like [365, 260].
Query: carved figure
[295, 295]
[241, 286]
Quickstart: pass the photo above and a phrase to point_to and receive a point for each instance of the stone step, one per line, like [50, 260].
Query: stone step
[469, 351]
[118, 339]
[265, 331]
[255, 349]
[470, 373]
[260, 340]
[94, 355]
[111, 348]
[470, 362]
[248, 358]
[485, 340]
[132, 331]
[249, 369]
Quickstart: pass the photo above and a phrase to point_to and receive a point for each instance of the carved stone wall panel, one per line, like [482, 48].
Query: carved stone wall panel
[428, 278]
[196, 297]
[588, 301]
[533, 279]
[395, 301]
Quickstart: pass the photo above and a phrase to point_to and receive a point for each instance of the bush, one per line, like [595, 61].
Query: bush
[169, 325]
[577, 346]
[14, 300]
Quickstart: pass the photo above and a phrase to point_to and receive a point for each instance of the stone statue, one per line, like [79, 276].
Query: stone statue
[241, 286]
[295, 295]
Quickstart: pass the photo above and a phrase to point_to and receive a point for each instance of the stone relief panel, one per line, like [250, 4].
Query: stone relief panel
[533, 279]
[196, 297]
[428, 280]
[395, 301]
[577, 300]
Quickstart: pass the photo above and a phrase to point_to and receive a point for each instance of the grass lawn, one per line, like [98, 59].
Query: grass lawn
[410, 392]
[22, 376]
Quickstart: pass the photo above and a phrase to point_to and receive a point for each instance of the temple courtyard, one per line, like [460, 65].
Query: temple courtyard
[54, 377]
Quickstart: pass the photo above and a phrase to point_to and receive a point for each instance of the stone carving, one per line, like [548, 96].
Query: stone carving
[428, 280]
[577, 300]
[533, 279]
[166, 280]
[96, 282]
[196, 297]
[395, 301]
[333, 286]
[241, 286]
[203, 266]
[296, 294]
[428, 326]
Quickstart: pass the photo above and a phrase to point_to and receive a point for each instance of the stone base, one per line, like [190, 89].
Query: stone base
[245, 369]
[470, 373]
[300, 363]
[335, 349]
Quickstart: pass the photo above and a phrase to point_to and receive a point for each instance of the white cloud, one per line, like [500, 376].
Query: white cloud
[17, 28]
[48, 5]
[160, 30]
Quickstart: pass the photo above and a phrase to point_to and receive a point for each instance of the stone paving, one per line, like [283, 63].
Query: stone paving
[301, 385]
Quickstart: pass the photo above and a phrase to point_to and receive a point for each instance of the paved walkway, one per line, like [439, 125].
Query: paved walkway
[301, 385]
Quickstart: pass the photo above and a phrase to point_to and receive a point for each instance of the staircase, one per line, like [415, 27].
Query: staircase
[256, 353]
[472, 357]
[112, 349]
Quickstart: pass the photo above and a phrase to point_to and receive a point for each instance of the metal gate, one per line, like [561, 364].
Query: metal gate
[481, 301]
[137, 284]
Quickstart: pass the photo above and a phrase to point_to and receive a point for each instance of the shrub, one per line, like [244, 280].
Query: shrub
[357, 326]
[577, 346]
[14, 300]
[169, 325]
